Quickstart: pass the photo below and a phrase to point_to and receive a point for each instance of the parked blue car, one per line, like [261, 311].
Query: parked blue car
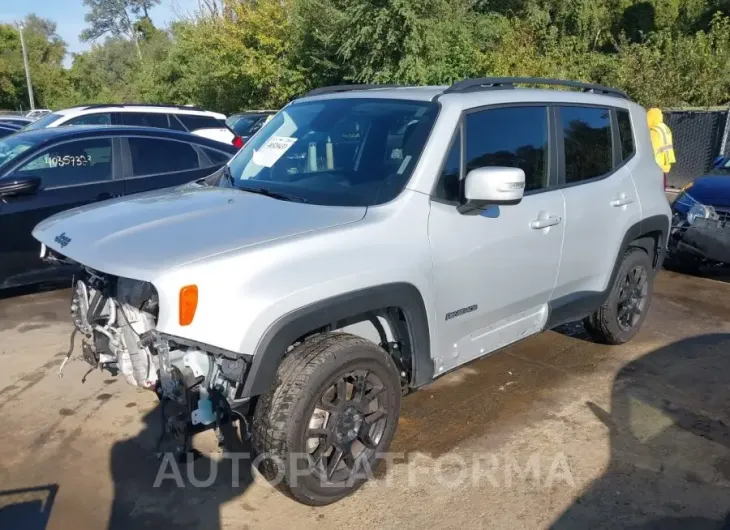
[700, 224]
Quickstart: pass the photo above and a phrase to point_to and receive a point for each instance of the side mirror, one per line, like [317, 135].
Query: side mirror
[12, 187]
[494, 185]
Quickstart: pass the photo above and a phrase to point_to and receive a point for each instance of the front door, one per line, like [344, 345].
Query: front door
[72, 174]
[494, 272]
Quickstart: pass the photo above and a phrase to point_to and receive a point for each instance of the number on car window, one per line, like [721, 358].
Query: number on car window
[68, 160]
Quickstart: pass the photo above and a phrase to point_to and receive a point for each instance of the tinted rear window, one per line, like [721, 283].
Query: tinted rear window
[588, 144]
[145, 119]
[193, 122]
[152, 156]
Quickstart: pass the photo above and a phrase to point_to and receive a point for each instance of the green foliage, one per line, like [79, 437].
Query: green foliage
[238, 54]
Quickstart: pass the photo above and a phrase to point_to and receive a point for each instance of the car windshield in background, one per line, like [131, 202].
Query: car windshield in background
[242, 125]
[43, 122]
[12, 147]
[336, 152]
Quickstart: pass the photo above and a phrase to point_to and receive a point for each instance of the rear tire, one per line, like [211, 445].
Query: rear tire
[333, 408]
[625, 309]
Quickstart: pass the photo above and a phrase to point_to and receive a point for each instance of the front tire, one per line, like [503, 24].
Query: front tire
[625, 309]
[333, 409]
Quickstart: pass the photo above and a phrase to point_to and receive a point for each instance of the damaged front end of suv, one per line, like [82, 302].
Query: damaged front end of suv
[199, 389]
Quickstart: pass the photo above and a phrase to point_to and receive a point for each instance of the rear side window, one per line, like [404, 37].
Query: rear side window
[588, 144]
[193, 122]
[152, 156]
[625, 134]
[72, 163]
[99, 118]
[510, 137]
[145, 119]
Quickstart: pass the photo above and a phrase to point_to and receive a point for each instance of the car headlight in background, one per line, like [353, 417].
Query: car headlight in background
[692, 208]
[697, 210]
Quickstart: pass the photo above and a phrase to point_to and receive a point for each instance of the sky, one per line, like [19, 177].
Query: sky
[69, 16]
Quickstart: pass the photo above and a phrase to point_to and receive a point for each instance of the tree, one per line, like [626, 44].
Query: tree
[46, 51]
[116, 18]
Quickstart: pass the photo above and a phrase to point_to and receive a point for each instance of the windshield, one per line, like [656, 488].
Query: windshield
[242, 125]
[12, 147]
[42, 123]
[336, 152]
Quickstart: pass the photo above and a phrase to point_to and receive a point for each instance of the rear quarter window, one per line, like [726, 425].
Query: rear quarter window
[626, 134]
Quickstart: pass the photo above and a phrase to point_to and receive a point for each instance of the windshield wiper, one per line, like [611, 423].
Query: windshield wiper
[274, 194]
[261, 191]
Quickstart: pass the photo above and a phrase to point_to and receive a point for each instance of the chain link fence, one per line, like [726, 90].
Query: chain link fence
[699, 136]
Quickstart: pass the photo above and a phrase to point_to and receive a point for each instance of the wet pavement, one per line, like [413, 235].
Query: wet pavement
[555, 431]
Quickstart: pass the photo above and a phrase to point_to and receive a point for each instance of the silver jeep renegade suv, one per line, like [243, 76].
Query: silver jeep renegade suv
[367, 240]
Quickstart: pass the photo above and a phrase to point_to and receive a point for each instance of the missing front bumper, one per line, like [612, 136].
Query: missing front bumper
[708, 239]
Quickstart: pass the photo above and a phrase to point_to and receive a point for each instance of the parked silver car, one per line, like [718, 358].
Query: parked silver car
[366, 241]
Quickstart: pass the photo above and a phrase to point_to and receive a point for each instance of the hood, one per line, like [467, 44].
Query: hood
[653, 117]
[140, 236]
[713, 190]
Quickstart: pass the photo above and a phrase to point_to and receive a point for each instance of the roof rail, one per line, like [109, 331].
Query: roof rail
[343, 88]
[161, 105]
[496, 83]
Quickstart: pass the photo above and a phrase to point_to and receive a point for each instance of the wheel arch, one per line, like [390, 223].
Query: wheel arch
[650, 234]
[401, 304]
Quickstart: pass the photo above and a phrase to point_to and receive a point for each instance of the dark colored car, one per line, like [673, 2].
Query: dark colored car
[6, 129]
[244, 125]
[20, 121]
[46, 171]
[701, 221]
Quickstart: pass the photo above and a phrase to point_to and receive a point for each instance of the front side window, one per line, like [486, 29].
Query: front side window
[510, 137]
[12, 147]
[152, 156]
[588, 144]
[345, 152]
[72, 163]
[145, 119]
[100, 118]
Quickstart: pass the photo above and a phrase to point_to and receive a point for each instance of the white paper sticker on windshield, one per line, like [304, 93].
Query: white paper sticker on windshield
[272, 150]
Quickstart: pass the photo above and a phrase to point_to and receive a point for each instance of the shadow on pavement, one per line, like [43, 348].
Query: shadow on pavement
[186, 495]
[27, 508]
[669, 428]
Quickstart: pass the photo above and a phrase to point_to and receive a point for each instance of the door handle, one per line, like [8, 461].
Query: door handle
[621, 201]
[544, 223]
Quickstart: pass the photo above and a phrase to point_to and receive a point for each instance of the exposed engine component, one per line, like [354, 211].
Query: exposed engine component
[116, 318]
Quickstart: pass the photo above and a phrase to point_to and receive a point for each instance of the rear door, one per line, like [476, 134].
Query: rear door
[154, 163]
[601, 205]
[72, 174]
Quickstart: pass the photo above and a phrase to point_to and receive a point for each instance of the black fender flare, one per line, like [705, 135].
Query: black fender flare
[287, 329]
[578, 305]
